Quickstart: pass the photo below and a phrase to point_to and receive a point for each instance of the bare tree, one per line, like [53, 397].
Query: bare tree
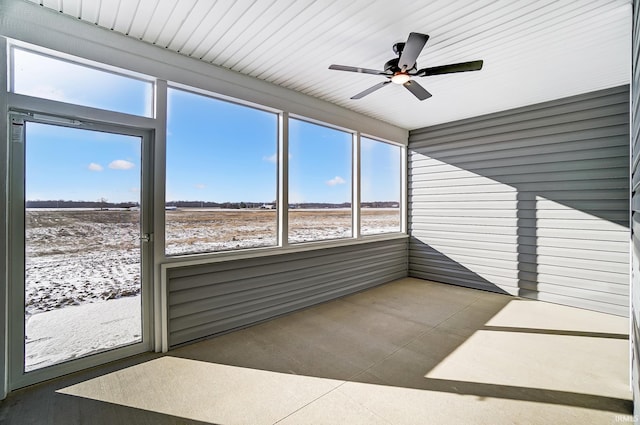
[103, 203]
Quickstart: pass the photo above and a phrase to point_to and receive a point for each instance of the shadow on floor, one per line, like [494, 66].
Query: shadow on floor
[44, 404]
[536, 395]
[390, 341]
[391, 335]
[556, 332]
[70, 410]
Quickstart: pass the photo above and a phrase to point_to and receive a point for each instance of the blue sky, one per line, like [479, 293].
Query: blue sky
[219, 151]
[216, 150]
[319, 163]
[379, 171]
[81, 165]
[72, 83]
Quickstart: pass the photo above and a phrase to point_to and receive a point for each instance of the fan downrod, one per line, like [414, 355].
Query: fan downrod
[393, 68]
[398, 48]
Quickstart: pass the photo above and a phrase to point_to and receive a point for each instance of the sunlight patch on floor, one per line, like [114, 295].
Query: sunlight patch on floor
[205, 391]
[546, 346]
[217, 393]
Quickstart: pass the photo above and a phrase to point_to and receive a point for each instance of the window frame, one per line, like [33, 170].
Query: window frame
[402, 202]
[74, 60]
[353, 170]
[158, 118]
[283, 244]
[109, 52]
[226, 99]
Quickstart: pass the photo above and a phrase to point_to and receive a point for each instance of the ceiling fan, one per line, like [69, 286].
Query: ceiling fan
[402, 69]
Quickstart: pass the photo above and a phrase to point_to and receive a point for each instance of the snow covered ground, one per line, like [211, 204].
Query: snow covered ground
[82, 266]
[71, 332]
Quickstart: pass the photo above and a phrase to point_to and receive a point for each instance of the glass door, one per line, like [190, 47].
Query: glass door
[84, 231]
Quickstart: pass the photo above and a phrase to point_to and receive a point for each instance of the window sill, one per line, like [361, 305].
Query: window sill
[222, 256]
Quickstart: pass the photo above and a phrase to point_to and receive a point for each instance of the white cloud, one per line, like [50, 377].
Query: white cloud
[200, 186]
[95, 167]
[121, 164]
[272, 158]
[335, 181]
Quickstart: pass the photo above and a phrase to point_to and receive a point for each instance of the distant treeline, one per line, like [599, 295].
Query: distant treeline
[201, 204]
[209, 204]
[80, 204]
[239, 205]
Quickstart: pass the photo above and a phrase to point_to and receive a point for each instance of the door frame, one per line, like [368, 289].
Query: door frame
[17, 120]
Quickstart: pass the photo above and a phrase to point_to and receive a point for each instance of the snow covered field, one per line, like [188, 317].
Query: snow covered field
[197, 230]
[72, 332]
[82, 266]
[82, 277]
[79, 256]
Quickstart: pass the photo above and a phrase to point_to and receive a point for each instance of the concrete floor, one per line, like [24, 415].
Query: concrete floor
[408, 352]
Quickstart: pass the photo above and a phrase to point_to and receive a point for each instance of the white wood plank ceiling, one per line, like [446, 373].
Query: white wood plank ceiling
[533, 50]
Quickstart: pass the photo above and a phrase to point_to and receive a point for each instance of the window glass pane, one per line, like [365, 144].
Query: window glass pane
[57, 79]
[82, 243]
[319, 182]
[221, 175]
[380, 187]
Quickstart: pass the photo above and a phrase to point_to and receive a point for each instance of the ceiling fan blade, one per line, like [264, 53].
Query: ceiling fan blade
[370, 90]
[412, 48]
[417, 90]
[356, 69]
[449, 69]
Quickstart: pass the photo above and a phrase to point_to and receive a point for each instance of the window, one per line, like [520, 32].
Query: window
[320, 163]
[221, 175]
[222, 162]
[380, 187]
[82, 226]
[57, 79]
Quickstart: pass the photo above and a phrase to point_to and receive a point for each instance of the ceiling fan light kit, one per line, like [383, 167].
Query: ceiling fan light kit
[402, 69]
[400, 78]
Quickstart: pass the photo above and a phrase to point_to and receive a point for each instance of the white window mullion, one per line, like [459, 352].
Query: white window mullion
[4, 153]
[355, 195]
[283, 179]
[404, 210]
[160, 306]
[16, 275]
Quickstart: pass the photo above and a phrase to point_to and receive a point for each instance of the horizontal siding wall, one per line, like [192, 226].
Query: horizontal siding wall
[532, 202]
[209, 299]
